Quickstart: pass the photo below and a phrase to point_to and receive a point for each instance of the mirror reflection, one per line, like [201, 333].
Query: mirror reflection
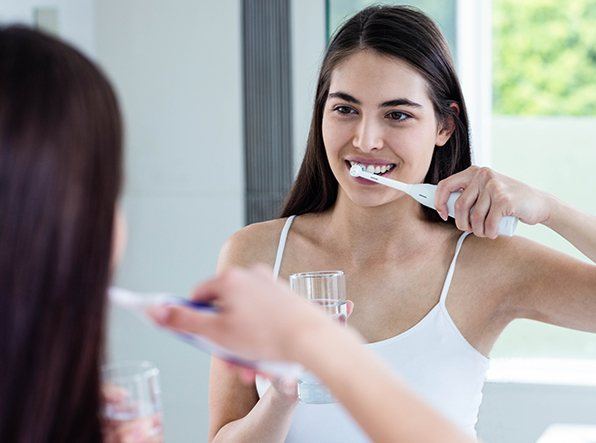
[186, 185]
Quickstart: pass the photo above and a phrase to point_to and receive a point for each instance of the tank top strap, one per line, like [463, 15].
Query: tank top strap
[282, 245]
[451, 271]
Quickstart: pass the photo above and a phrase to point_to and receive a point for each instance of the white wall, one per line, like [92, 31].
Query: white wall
[75, 18]
[308, 46]
[177, 68]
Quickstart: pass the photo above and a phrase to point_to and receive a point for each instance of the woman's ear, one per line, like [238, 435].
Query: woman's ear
[447, 126]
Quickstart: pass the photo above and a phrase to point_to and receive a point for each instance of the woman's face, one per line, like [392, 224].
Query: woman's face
[378, 113]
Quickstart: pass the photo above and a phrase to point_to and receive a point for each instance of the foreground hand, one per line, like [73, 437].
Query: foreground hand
[138, 430]
[488, 196]
[257, 318]
[284, 387]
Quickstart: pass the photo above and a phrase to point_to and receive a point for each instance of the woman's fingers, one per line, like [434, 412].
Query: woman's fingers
[208, 290]
[247, 376]
[184, 319]
[286, 386]
[349, 308]
[453, 183]
[343, 317]
[480, 207]
[478, 214]
[113, 393]
[491, 224]
[463, 206]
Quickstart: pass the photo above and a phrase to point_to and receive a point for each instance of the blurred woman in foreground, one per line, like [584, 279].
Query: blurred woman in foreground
[60, 174]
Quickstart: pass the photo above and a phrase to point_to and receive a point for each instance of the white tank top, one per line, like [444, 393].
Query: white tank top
[432, 357]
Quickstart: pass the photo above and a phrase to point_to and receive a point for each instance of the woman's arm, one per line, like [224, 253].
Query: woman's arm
[252, 322]
[543, 284]
[577, 227]
[235, 410]
[547, 285]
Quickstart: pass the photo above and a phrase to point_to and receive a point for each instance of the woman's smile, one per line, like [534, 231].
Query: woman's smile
[374, 166]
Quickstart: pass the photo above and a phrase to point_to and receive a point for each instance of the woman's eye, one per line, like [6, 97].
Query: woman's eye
[344, 110]
[398, 116]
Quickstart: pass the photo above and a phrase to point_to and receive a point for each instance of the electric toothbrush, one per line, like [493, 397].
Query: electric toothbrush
[138, 303]
[424, 193]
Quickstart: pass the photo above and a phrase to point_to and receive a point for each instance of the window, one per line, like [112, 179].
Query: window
[544, 115]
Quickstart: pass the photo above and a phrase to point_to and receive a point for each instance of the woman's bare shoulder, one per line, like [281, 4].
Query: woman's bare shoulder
[255, 243]
[510, 263]
[507, 251]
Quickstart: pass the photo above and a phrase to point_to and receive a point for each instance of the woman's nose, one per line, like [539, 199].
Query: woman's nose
[368, 136]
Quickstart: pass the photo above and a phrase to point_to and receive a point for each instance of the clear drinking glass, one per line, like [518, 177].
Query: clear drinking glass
[327, 289]
[132, 402]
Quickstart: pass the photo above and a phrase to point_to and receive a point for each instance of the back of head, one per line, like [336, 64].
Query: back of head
[60, 171]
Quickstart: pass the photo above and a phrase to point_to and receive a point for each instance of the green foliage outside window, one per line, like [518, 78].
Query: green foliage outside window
[544, 57]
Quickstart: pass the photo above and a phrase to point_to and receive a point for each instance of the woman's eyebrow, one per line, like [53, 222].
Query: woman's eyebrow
[344, 96]
[395, 102]
[400, 102]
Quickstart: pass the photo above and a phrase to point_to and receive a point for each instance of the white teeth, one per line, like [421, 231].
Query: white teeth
[374, 169]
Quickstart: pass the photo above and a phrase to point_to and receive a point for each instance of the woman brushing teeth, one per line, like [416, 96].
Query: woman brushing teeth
[388, 99]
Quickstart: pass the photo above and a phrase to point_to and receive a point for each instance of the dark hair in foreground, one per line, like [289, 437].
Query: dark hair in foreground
[60, 172]
[407, 34]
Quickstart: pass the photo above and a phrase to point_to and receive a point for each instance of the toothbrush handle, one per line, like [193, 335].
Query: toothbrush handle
[281, 369]
[200, 305]
[507, 224]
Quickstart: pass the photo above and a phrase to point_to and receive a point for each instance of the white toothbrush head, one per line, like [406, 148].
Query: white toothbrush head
[132, 300]
[355, 171]
[125, 299]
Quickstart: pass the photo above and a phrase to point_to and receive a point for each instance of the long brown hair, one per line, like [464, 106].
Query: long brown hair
[407, 34]
[60, 173]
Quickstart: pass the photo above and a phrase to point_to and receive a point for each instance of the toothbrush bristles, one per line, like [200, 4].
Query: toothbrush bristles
[356, 170]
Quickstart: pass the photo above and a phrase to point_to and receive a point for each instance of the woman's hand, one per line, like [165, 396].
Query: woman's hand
[139, 430]
[257, 318]
[488, 196]
[285, 388]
